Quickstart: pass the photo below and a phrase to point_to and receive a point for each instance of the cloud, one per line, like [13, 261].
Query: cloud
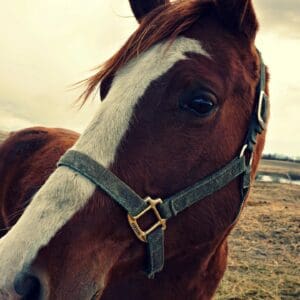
[8, 121]
[279, 16]
[284, 134]
[46, 46]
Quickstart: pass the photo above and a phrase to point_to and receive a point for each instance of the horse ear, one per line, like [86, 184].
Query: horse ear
[239, 15]
[141, 8]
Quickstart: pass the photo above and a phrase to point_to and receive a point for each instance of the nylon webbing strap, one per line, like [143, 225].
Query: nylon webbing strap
[182, 200]
[123, 195]
[155, 252]
[262, 82]
[105, 180]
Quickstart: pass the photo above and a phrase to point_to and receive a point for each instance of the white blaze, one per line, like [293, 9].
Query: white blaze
[66, 192]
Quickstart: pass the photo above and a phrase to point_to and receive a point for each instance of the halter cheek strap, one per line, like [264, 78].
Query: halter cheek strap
[136, 207]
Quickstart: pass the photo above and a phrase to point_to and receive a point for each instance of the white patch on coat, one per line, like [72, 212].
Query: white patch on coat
[65, 192]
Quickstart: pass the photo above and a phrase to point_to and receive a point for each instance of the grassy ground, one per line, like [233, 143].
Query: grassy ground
[264, 253]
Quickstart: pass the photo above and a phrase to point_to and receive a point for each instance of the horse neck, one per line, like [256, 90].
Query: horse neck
[191, 275]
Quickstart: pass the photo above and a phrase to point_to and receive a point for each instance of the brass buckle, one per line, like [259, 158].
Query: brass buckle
[133, 220]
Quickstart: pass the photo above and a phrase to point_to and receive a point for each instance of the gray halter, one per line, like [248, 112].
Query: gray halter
[165, 209]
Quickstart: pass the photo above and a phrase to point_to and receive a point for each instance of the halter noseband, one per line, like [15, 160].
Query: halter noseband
[136, 207]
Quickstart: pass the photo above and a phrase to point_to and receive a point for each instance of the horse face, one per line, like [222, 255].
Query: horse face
[171, 115]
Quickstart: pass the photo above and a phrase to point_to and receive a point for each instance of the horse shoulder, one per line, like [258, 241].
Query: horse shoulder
[27, 158]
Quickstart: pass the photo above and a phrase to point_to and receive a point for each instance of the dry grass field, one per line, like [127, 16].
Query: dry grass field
[264, 248]
[282, 168]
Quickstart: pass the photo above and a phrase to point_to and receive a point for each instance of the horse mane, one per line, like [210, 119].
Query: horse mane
[164, 22]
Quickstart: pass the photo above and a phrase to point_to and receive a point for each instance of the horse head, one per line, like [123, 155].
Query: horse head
[177, 101]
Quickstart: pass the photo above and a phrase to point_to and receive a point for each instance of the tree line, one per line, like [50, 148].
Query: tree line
[274, 156]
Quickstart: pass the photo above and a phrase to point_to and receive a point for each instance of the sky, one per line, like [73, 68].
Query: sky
[46, 46]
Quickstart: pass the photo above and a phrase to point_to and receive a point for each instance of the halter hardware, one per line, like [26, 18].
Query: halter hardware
[261, 110]
[243, 151]
[133, 220]
[243, 154]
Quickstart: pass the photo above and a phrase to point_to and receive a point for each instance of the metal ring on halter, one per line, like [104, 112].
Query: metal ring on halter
[260, 118]
[245, 147]
[243, 150]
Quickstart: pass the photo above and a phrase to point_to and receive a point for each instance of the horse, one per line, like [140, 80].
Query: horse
[183, 101]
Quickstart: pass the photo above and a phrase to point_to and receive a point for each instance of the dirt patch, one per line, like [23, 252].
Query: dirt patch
[264, 247]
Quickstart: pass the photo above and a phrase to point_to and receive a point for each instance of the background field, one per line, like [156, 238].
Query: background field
[280, 168]
[264, 247]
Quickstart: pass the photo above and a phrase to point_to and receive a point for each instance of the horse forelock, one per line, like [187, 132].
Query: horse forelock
[163, 23]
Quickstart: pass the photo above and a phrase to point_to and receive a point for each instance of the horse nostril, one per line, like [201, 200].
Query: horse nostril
[28, 286]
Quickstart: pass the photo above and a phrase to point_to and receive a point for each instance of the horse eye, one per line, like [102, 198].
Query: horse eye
[201, 105]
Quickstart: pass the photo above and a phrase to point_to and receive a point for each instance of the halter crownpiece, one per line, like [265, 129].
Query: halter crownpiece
[165, 209]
